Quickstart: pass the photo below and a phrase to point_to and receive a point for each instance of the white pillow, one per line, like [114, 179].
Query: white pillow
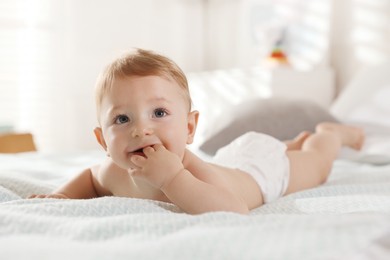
[365, 103]
[375, 109]
[362, 89]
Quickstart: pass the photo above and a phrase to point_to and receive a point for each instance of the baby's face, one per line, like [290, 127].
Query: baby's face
[143, 111]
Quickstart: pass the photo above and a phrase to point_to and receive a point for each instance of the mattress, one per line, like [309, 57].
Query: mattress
[348, 217]
[342, 219]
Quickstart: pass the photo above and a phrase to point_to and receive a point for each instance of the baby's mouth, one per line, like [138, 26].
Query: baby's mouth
[139, 151]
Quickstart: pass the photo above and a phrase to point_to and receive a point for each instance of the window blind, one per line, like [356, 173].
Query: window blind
[10, 25]
[24, 61]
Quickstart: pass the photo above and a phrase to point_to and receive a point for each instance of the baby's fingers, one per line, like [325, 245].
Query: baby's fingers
[148, 150]
[37, 196]
[159, 147]
[138, 160]
[44, 196]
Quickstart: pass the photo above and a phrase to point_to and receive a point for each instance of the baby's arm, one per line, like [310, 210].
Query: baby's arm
[196, 196]
[80, 187]
[165, 171]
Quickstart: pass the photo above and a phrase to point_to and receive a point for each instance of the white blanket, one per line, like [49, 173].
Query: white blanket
[346, 218]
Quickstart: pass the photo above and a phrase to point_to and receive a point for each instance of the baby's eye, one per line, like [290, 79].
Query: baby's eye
[121, 119]
[160, 112]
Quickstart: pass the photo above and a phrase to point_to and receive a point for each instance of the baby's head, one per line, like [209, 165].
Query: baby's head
[142, 99]
[140, 63]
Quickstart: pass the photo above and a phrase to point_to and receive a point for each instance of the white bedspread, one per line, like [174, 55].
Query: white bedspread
[347, 218]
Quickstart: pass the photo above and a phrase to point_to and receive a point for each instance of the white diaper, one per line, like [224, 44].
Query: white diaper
[261, 156]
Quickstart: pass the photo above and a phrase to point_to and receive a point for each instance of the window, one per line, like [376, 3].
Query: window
[24, 61]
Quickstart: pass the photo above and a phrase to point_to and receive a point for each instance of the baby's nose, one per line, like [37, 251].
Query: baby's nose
[141, 130]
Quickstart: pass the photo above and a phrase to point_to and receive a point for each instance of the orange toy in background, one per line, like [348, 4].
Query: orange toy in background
[278, 57]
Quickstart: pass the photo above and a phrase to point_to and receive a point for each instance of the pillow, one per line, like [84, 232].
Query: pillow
[362, 87]
[375, 109]
[279, 117]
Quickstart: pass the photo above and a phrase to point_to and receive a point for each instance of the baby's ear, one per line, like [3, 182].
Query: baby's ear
[191, 125]
[99, 137]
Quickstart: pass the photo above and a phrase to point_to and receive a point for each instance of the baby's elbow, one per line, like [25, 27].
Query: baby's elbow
[242, 210]
[237, 205]
[230, 207]
[245, 211]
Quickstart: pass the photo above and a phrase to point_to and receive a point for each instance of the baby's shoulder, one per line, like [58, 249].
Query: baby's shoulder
[107, 167]
[109, 178]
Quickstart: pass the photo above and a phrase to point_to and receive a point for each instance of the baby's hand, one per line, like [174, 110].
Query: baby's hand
[159, 167]
[52, 196]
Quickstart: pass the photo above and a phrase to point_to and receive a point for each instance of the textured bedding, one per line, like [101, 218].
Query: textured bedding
[346, 218]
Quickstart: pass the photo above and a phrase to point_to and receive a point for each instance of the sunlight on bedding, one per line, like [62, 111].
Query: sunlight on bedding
[344, 204]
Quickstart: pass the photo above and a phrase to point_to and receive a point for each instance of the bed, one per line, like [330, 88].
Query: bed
[346, 218]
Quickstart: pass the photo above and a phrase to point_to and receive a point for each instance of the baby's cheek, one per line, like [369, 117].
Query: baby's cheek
[121, 159]
[115, 145]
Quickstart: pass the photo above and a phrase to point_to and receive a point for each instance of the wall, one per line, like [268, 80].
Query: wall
[347, 35]
[94, 36]
[76, 38]
[241, 33]
[360, 36]
[61, 46]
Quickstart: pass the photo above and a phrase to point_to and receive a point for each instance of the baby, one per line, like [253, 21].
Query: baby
[146, 122]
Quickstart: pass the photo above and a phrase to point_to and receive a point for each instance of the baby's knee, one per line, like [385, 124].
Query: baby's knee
[323, 126]
[326, 126]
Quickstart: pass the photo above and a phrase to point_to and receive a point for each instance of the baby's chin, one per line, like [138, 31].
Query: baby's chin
[125, 164]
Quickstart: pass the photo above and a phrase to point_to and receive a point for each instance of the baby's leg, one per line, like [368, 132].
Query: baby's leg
[311, 165]
[350, 136]
[297, 142]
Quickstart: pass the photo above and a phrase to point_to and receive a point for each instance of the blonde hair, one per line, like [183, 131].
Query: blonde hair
[140, 63]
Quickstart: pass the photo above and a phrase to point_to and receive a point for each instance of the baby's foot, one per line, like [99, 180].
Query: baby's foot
[297, 142]
[356, 137]
[350, 136]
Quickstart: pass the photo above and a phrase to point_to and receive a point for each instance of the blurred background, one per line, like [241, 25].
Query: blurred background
[51, 51]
